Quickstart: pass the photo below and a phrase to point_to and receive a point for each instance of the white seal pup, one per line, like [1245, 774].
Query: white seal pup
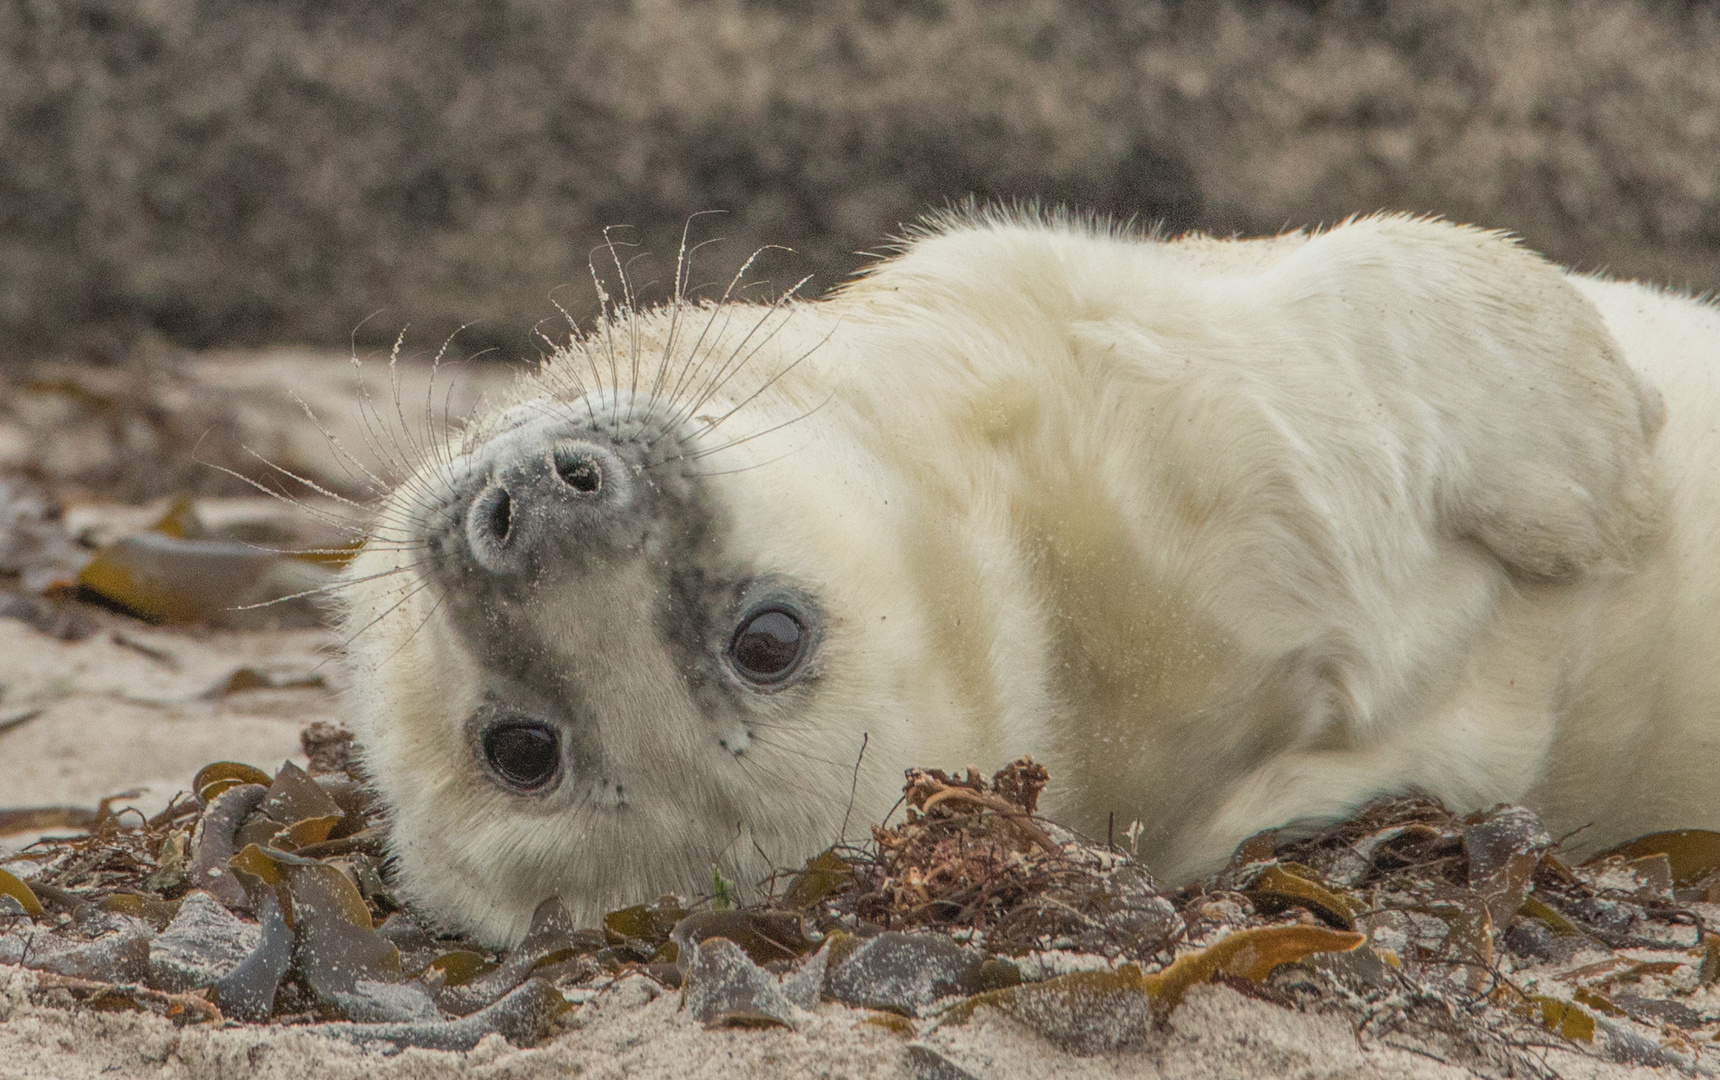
[1229, 534]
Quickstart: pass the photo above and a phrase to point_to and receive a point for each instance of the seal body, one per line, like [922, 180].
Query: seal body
[1229, 534]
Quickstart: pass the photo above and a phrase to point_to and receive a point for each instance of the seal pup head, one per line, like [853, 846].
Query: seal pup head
[597, 640]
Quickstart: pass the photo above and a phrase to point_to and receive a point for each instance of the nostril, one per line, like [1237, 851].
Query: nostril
[492, 519]
[579, 472]
[501, 516]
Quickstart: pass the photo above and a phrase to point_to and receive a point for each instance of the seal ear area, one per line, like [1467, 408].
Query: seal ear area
[1510, 397]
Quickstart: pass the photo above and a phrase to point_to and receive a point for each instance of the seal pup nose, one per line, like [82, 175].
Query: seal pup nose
[547, 494]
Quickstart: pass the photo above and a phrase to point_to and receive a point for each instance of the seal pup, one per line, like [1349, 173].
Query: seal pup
[1229, 534]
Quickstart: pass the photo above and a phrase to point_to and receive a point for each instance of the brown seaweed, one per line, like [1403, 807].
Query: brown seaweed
[248, 991]
[517, 1017]
[1427, 903]
[1091, 1011]
[212, 845]
[12, 886]
[551, 938]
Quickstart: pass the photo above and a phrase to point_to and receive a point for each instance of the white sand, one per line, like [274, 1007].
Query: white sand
[636, 1031]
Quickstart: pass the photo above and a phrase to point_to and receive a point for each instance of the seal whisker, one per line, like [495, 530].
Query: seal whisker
[744, 468]
[750, 398]
[628, 310]
[568, 376]
[801, 755]
[558, 373]
[707, 451]
[631, 311]
[365, 478]
[724, 307]
[769, 779]
[393, 455]
[372, 426]
[371, 531]
[400, 523]
[370, 482]
[334, 552]
[687, 458]
[731, 366]
[402, 439]
[691, 361]
[287, 498]
[606, 326]
[402, 527]
[323, 590]
[422, 584]
[677, 302]
[405, 454]
[667, 352]
[438, 440]
[635, 352]
[693, 366]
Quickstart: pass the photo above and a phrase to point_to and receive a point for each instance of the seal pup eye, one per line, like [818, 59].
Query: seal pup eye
[525, 754]
[769, 646]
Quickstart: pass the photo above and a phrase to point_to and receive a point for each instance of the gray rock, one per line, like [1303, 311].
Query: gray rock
[116, 949]
[518, 1018]
[170, 193]
[904, 973]
[202, 944]
[724, 987]
[373, 1002]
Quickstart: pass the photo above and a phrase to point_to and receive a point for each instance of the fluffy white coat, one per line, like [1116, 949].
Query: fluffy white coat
[1230, 534]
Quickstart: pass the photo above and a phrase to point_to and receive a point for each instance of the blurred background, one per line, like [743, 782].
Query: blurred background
[214, 173]
[186, 182]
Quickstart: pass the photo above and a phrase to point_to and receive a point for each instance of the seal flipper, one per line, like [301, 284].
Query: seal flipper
[1512, 397]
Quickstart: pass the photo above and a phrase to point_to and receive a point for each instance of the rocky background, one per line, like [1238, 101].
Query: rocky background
[228, 173]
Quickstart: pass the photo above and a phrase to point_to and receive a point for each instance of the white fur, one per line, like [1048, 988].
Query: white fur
[1231, 534]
